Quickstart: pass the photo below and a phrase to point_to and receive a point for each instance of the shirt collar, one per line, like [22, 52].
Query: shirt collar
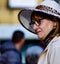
[53, 40]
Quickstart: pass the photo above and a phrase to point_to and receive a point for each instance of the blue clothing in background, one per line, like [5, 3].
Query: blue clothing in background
[9, 54]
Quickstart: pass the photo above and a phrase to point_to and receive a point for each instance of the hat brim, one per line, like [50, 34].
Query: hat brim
[24, 18]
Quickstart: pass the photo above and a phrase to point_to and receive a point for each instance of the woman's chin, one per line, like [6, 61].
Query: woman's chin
[40, 36]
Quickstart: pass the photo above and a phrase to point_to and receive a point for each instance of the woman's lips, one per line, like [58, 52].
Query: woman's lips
[37, 32]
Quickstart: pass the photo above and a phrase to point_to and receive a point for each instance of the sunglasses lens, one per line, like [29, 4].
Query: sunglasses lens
[31, 24]
[35, 22]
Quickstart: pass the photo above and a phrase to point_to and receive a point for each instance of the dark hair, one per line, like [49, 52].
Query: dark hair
[43, 15]
[32, 59]
[17, 36]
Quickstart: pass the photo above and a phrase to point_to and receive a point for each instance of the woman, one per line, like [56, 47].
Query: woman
[44, 21]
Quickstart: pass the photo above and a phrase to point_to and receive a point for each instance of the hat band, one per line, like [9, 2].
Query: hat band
[46, 8]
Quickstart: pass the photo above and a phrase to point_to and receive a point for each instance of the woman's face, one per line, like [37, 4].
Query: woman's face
[42, 26]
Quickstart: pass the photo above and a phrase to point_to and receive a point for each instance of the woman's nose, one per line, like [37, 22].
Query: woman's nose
[35, 26]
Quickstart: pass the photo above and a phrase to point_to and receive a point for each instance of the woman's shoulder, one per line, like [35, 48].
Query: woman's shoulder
[56, 42]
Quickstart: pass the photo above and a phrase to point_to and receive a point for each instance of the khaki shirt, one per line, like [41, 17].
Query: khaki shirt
[51, 54]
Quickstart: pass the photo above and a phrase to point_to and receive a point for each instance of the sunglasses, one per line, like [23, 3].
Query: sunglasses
[36, 22]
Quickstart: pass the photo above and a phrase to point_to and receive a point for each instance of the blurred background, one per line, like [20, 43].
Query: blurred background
[9, 10]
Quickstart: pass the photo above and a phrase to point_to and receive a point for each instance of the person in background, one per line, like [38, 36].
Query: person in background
[11, 50]
[32, 54]
[44, 20]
